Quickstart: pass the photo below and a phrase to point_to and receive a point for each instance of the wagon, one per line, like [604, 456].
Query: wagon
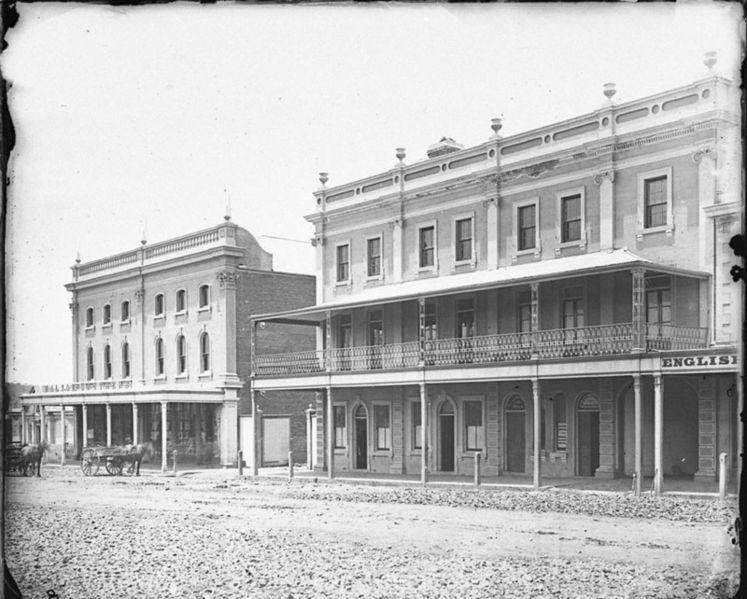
[113, 458]
[15, 461]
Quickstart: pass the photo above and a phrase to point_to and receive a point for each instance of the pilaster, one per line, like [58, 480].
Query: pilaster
[606, 180]
[320, 461]
[492, 430]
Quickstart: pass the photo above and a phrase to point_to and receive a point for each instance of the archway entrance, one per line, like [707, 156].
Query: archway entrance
[446, 436]
[361, 438]
[587, 435]
[515, 435]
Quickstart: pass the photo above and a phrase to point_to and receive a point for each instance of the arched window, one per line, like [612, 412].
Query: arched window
[89, 317]
[159, 357]
[107, 314]
[107, 361]
[204, 296]
[125, 360]
[89, 363]
[181, 300]
[181, 354]
[204, 352]
[125, 311]
[158, 308]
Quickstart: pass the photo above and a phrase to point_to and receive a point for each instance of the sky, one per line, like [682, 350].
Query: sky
[154, 118]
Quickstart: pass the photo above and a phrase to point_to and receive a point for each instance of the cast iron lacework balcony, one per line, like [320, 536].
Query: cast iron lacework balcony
[603, 340]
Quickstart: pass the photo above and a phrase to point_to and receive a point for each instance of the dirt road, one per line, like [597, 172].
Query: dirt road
[218, 536]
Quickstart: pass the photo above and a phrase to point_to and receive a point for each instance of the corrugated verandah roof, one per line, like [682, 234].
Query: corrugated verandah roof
[594, 263]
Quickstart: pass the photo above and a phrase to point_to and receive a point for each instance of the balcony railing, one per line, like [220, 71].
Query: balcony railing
[603, 340]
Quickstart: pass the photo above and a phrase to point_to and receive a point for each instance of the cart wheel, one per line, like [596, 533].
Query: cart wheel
[114, 467]
[89, 463]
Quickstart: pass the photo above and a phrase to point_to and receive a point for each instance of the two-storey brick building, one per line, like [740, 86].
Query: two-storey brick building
[557, 300]
[160, 348]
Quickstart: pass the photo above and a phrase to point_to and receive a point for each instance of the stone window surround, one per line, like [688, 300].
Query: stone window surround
[641, 229]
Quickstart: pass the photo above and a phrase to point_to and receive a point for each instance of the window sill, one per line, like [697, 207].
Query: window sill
[203, 309]
[667, 229]
[90, 328]
[124, 323]
[465, 263]
[342, 283]
[536, 252]
[107, 326]
[161, 378]
[374, 278]
[205, 375]
[159, 317]
[382, 453]
[180, 313]
[181, 377]
[428, 270]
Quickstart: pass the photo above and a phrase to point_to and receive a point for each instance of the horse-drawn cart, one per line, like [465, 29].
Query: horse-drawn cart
[15, 461]
[114, 458]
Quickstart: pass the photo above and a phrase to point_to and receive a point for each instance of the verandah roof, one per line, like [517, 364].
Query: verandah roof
[570, 266]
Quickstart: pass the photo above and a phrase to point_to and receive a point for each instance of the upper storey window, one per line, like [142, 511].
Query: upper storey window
[373, 257]
[181, 300]
[427, 246]
[655, 202]
[570, 209]
[463, 239]
[125, 311]
[527, 227]
[655, 198]
[89, 317]
[159, 305]
[204, 296]
[107, 314]
[343, 263]
[89, 364]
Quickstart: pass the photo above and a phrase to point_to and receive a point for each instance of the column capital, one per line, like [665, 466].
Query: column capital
[139, 294]
[228, 278]
[606, 175]
[317, 240]
[704, 152]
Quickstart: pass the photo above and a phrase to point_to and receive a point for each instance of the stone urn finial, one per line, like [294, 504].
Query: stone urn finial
[496, 124]
[77, 257]
[323, 178]
[710, 59]
[400, 154]
[609, 90]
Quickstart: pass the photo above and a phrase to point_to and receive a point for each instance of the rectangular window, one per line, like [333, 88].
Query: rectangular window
[382, 428]
[125, 360]
[181, 300]
[158, 308]
[430, 321]
[527, 227]
[655, 202]
[204, 296]
[340, 427]
[107, 314]
[89, 317]
[571, 218]
[343, 263]
[465, 318]
[373, 251]
[463, 239]
[473, 426]
[417, 427]
[125, 311]
[107, 362]
[427, 246]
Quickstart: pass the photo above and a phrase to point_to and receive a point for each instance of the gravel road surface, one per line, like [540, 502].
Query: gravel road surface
[213, 535]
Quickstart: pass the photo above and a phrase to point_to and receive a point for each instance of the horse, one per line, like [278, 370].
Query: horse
[136, 453]
[33, 454]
